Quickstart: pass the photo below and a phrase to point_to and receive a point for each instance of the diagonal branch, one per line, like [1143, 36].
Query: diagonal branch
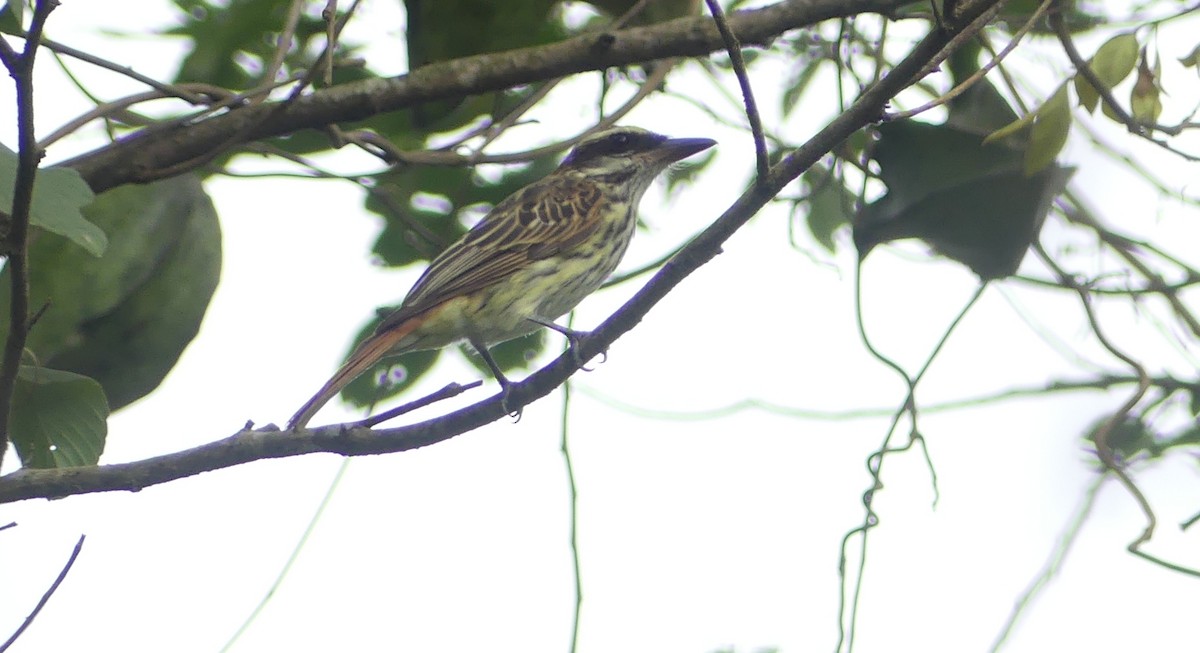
[37, 609]
[144, 156]
[269, 442]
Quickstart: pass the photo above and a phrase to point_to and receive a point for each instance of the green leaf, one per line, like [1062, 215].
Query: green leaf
[131, 348]
[1127, 438]
[441, 30]
[970, 202]
[1146, 106]
[1049, 133]
[1010, 129]
[981, 109]
[1189, 437]
[830, 204]
[58, 418]
[12, 15]
[125, 317]
[917, 159]
[516, 354]
[388, 378]
[1145, 101]
[1112, 63]
[58, 196]
[229, 40]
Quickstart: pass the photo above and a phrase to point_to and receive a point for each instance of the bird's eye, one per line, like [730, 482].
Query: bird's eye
[620, 141]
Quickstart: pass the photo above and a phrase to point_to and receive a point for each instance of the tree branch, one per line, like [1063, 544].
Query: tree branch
[269, 442]
[16, 241]
[141, 157]
[62, 575]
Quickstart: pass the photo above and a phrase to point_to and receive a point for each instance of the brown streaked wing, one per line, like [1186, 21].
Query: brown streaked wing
[537, 222]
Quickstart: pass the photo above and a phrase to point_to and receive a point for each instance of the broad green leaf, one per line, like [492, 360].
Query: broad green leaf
[58, 196]
[59, 419]
[12, 17]
[917, 159]
[1112, 63]
[981, 109]
[969, 201]
[131, 348]
[1049, 133]
[986, 223]
[125, 317]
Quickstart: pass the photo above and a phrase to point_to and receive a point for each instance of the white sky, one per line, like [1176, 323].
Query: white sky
[693, 534]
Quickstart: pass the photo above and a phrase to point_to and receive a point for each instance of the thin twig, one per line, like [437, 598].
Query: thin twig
[1166, 384]
[875, 460]
[967, 83]
[962, 37]
[454, 159]
[1102, 90]
[573, 505]
[305, 81]
[1054, 563]
[295, 555]
[493, 131]
[283, 42]
[739, 70]
[205, 93]
[1079, 213]
[45, 596]
[180, 91]
[450, 390]
[1103, 449]
[332, 32]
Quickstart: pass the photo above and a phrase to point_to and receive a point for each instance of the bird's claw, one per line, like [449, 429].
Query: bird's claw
[573, 339]
[505, 388]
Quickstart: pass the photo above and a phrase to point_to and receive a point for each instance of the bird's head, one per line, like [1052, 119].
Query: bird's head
[629, 156]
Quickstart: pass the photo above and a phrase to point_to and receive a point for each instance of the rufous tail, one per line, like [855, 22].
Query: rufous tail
[368, 353]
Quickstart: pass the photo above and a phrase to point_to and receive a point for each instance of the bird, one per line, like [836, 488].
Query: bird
[529, 261]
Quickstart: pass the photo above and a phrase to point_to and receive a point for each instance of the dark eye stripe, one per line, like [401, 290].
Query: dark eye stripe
[615, 144]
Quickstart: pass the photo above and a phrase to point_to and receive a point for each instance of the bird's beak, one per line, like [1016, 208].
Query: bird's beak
[677, 149]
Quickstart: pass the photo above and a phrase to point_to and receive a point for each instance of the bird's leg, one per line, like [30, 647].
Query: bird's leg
[573, 337]
[505, 384]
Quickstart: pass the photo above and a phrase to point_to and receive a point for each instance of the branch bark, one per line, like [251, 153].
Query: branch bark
[144, 156]
[269, 442]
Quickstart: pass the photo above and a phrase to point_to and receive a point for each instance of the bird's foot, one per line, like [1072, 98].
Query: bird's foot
[505, 389]
[573, 337]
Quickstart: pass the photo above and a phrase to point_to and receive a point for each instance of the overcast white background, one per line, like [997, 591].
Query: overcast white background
[693, 534]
